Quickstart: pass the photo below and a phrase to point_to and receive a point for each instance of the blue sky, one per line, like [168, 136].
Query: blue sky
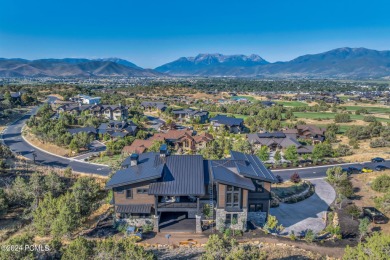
[150, 33]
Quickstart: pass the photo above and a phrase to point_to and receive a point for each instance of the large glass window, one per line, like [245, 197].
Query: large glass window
[233, 197]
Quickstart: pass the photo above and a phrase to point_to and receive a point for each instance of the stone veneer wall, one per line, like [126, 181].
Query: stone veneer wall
[258, 218]
[220, 218]
[138, 222]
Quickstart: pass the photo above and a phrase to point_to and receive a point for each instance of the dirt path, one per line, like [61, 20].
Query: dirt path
[176, 238]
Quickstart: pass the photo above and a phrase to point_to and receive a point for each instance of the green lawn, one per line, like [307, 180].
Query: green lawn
[379, 110]
[343, 128]
[292, 103]
[325, 115]
[109, 160]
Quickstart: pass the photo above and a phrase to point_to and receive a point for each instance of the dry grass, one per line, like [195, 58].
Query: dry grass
[366, 195]
[365, 152]
[52, 148]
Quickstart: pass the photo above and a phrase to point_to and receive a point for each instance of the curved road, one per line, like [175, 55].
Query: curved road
[316, 172]
[12, 137]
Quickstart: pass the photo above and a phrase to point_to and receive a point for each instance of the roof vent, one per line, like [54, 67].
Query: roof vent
[163, 150]
[134, 159]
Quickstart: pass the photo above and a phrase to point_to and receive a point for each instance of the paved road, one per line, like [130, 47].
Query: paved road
[320, 171]
[13, 139]
[306, 214]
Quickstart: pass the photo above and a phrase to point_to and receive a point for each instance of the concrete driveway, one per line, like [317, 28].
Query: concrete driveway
[306, 214]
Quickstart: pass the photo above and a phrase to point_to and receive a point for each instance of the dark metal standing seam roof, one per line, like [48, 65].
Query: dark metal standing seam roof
[223, 175]
[251, 166]
[225, 120]
[149, 167]
[134, 208]
[183, 175]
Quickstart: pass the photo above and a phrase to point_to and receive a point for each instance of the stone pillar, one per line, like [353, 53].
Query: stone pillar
[198, 223]
[156, 222]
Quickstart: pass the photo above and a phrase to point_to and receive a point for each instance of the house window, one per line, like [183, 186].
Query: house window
[255, 207]
[142, 191]
[230, 218]
[120, 191]
[233, 197]
[259, 185]
[129, 194]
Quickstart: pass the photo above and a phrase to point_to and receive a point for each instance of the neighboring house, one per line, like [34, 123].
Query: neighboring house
[189, 114]
[88, 100]
[234, 125]
[277, 141]
[138, 146]
[111, 112]
[202, 140]
[307, 132]
[183, 140]
[118, 128]
[88, 130]
[162, 189]
[150, 105]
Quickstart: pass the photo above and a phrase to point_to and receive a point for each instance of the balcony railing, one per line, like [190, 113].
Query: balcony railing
[177, 205]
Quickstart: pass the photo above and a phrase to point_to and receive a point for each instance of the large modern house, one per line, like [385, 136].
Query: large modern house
[164, 189]
[310, 132]
[278, 141]
[188, 114]
[150, 105]
[232, 124]
[111, 112]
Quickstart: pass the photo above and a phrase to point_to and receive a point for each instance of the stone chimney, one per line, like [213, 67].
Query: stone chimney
[134, 159]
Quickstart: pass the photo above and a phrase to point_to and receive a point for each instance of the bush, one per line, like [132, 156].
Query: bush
[342, 118]
[279, 179]
[292, 236]
[295, 178]
[353, 210]
[383, 202]
[381, 183]
[310, 236]
[379, 142]
[375, 247]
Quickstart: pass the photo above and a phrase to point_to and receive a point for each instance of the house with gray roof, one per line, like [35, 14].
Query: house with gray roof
[111, 112]
[188, 114]
[151, 105]
[118, 128]
[165, 190]
[232, 124]
[278, 141]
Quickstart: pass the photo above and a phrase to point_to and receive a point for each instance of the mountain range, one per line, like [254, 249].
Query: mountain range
[337, 63]
[73, 67]
[346, 63]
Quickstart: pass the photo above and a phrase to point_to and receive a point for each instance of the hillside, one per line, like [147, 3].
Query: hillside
[70, 67]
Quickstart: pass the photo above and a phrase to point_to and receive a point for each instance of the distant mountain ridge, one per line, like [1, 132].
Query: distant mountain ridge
[72, 67]
[338, 63]
[341, 63]
[212, 64]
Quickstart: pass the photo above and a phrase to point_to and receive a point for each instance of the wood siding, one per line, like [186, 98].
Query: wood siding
[120, 197]
[244, 198]
[221, 195]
